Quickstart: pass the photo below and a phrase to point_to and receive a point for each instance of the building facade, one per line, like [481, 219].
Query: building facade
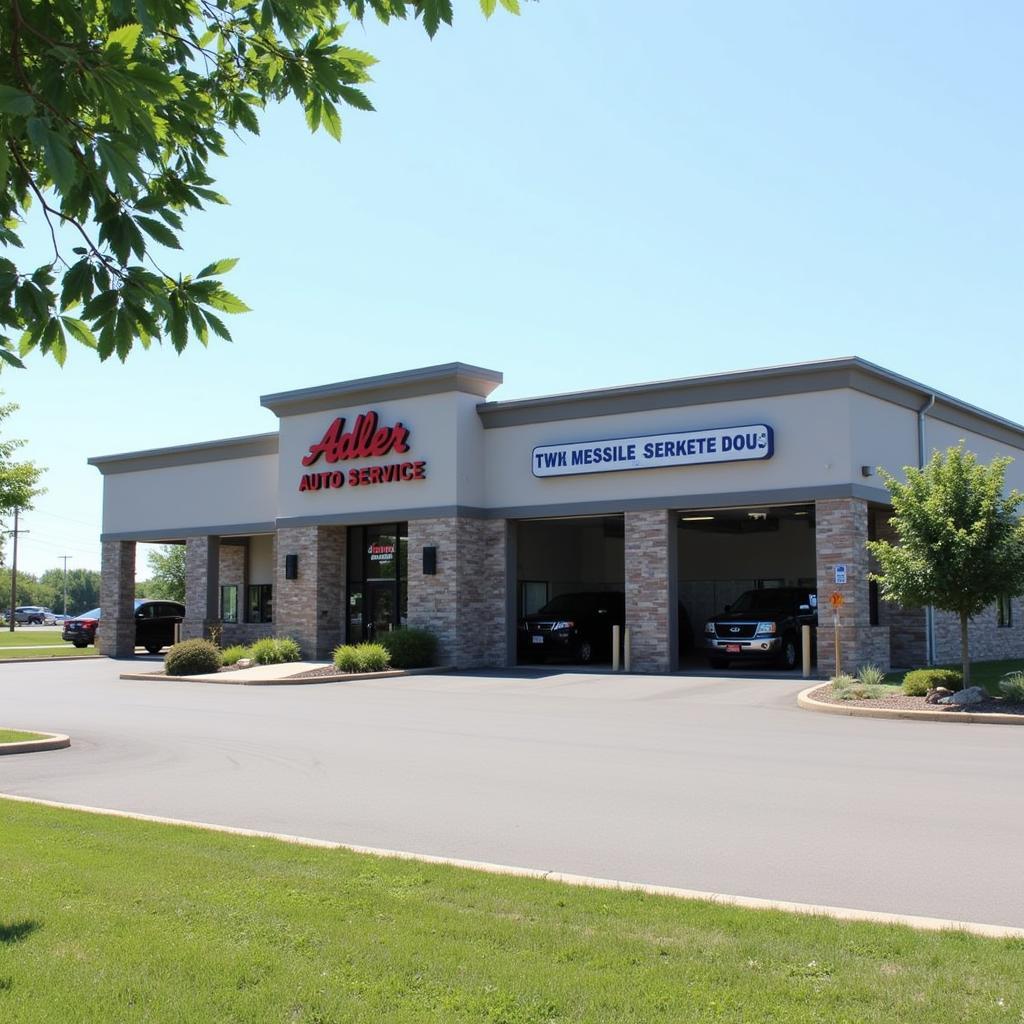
[413, 499]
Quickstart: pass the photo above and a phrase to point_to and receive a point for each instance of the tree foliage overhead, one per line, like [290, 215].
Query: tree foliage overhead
[110, 112]
[960, 538]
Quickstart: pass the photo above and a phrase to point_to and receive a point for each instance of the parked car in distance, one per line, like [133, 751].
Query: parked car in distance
[154, 625]
[761, 624]
[59, 619]
[33, 615]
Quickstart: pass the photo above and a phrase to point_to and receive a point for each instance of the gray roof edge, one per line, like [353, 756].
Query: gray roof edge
[249, 446]
[423, 380]
[787, 378]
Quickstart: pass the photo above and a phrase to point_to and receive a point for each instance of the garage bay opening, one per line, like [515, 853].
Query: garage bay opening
[747, 582]
[570, 586]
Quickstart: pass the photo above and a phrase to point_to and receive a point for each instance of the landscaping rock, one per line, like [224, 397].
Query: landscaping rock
[244, 663]
[972, 695]
[934, 695]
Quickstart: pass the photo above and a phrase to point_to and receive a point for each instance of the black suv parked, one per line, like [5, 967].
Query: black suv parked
[154, 625]
[573, 626]
[761, 624]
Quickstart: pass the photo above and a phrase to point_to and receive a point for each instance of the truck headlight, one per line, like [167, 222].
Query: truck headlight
[766, 629]
[709, 628]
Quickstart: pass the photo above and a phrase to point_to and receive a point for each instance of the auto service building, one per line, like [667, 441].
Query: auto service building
[412, 499]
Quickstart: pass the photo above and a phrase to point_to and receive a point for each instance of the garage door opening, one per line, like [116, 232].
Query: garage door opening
[570, 587]
[727, 560]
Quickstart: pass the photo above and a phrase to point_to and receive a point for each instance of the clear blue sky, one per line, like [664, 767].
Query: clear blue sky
[593, 194]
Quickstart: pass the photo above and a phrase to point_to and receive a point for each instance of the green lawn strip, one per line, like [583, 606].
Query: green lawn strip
[67, 651]
[104, 919]
[14, 736]
[983, 673]
[29, 637]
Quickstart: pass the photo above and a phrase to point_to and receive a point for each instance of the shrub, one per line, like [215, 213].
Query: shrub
[1011, 686]
[921, 680]
[410, 648]
[235, 654]
[192, 657]
[275, 650]
[846, 687]
[870, 675]
[361, 658]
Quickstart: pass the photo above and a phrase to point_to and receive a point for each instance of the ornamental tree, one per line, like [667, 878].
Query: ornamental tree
[110, 112]
[960, 539]
[19, 481]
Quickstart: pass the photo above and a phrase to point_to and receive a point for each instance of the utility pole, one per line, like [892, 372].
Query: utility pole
[14, 568]
[64, 559]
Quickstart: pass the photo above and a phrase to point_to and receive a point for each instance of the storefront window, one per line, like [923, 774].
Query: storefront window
[229, 603]
[261, 607]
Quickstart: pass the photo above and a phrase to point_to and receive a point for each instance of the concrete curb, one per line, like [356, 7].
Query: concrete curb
[340, 677]
[48, 661]
[992, 718]
[51, 741]
[928, 924]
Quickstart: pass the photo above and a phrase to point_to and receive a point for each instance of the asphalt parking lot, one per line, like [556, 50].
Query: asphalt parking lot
[712, 783]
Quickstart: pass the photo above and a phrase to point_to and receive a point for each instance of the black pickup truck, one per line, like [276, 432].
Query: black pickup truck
[761, 624]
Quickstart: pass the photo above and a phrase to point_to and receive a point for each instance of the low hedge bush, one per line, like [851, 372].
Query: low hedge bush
[410, 647]
[192, 657]
[1011, 686]
[235, 654]
[275, 650]
[921, 680]
[361, 658]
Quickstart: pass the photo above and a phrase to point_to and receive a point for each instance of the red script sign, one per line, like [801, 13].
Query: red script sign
[365, 440]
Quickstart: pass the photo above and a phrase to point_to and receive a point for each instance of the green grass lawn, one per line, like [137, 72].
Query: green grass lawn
[983, 673]
[28, 637]
[64, 651]
[13, 736]
[106, 920]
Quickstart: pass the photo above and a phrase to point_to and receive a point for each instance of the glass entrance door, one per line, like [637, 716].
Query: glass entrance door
[380, 616]
[378, 565]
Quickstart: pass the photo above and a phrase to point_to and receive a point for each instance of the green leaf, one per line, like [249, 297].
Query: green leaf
[10, 358]
[355, 97]
[332, 120]
[220, 267]
[226, 302]
[158, 230]
[80, 331]
[511, 5]
[126, 38]
[56, 155]
[487, 6]
[14, 101]
[219, 327]
[434, 12]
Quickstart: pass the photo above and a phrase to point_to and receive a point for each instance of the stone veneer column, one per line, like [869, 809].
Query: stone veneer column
[841, 533]
[649, 577]
[116, 633]
[202, 587]
[465, 604]
[311, 607]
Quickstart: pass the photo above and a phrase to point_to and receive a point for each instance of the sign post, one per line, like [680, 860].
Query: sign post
[837, 603]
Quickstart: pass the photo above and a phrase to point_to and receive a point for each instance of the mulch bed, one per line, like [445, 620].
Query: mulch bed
[317, 673]
[901, 702]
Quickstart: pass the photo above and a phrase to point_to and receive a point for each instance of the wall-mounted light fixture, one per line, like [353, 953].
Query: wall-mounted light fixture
[867, 470]
[291, 567]
[430, 561]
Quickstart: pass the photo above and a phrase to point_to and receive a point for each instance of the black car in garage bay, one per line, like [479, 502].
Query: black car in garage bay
[154, 625]
[577, 627]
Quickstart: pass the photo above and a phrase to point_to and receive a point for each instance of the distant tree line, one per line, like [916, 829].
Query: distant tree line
[48, 590]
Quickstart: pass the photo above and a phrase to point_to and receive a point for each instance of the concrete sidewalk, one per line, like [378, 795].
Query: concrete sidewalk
[280, 675]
